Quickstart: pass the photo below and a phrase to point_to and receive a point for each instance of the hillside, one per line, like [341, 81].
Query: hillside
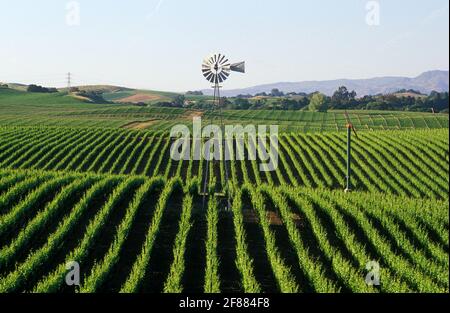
[425, 83]
[10, 96]
[109, 93]
[128, 95]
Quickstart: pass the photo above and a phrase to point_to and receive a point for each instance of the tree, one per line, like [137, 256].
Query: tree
[289, 104]
[35, 88]
[200, 104]
[241, 103]
[318, 103]
[276, 93]
[179, 101]
[94, 96]
[194, 93]
[376, 105]
[225, 103]
[342, 98]
[258, 104]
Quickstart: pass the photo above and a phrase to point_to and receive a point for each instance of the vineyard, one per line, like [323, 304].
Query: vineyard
[163, 119]
[317, 161]
[142, 168]
[114, 201]
[59, 110]
[138, 234]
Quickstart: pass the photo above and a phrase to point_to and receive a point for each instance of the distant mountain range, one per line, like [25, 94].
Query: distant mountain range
[425, 83]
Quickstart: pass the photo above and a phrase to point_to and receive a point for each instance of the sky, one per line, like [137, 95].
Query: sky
[160, 44]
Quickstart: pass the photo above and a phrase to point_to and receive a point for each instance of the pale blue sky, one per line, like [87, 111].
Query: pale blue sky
[156, 44]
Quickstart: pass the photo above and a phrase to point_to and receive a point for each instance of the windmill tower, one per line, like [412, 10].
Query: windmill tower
[216, 68]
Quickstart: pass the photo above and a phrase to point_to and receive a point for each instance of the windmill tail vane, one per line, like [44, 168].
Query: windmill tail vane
[238, 67]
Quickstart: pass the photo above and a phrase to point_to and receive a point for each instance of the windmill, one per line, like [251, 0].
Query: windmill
[350, 129]
[216, 68]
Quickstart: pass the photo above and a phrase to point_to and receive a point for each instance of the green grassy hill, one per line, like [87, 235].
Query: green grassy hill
[10, 96]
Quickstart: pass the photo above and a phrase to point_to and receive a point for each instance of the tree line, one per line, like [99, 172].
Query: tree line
[40, 89]
[403, 100]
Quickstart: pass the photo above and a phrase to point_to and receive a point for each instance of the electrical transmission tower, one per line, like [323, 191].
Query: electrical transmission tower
[69, 76]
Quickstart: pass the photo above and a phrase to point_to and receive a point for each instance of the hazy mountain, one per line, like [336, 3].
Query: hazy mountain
[425, 83]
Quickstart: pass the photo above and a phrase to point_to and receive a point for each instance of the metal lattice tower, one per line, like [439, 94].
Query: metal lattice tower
[69, 76]
[216, 69]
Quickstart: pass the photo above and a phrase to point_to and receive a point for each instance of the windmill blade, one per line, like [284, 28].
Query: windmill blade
[222, 77]
[209, 76]
[208, 61]
[238, 67]
[221, 58]
[219, 78]
[218, 59]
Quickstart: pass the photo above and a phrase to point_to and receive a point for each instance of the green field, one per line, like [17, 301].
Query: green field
[314, 160]
[306, 121]
[76, 184]
[24, 109]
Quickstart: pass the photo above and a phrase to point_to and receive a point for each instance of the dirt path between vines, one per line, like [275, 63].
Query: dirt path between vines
[140, 124]
[191, 114]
